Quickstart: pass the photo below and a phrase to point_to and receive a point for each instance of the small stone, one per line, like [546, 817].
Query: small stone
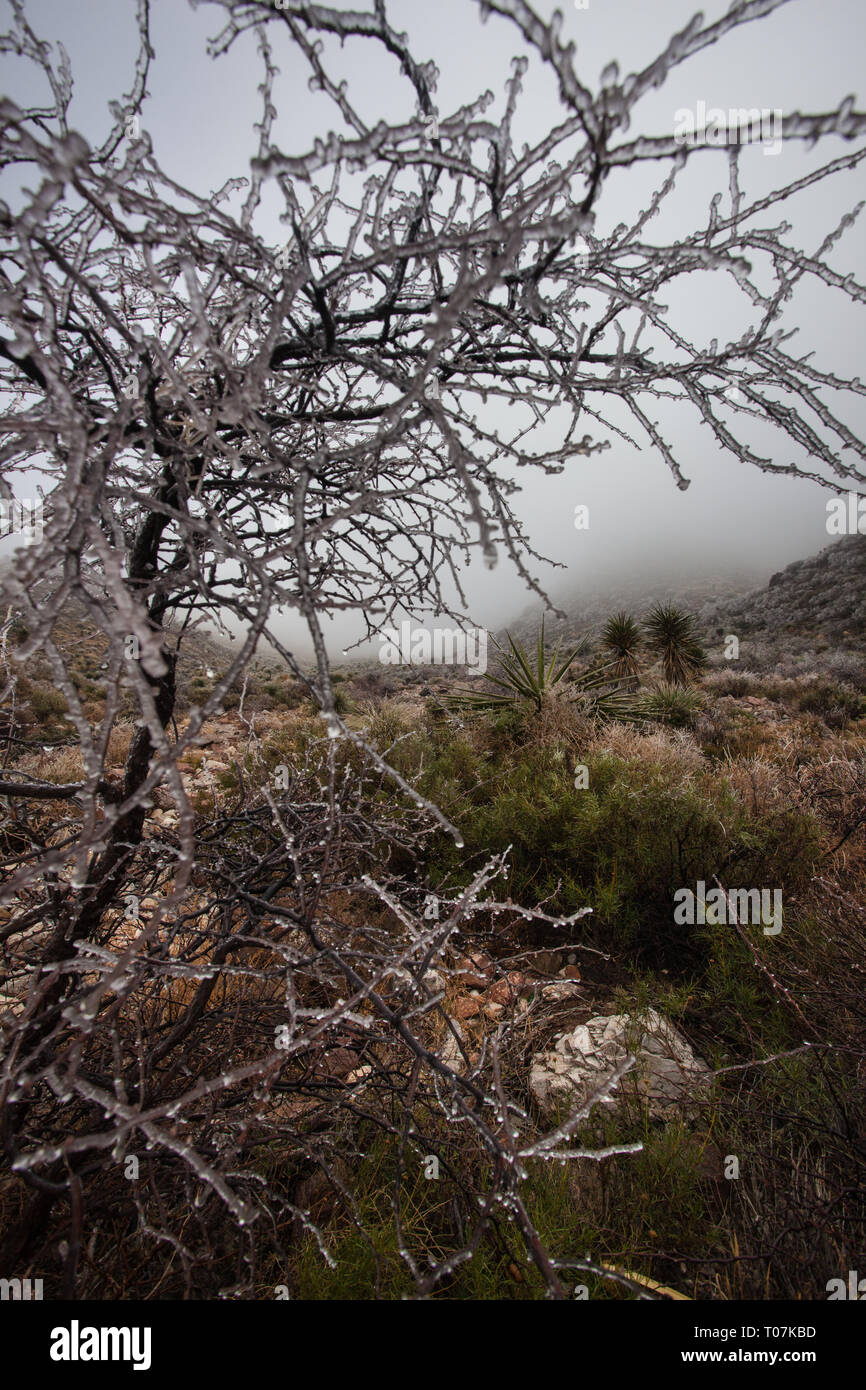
[473, 971]
[562, 990]
[450, 1052]
[467, 1006]
[506, 990]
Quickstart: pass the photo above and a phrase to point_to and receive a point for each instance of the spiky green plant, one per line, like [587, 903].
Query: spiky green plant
[672, 704]
[621, 636]
[671, 634]
[537, 680]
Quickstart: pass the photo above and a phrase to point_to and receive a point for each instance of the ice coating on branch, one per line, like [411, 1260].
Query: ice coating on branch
[71, 152]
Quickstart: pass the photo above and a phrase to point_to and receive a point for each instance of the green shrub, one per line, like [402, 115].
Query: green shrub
[652, 1200]
[285, 693]
[676, 705]
[88, 689]
[343, 703]
[47, 703]
[623, 846]
[836, 704]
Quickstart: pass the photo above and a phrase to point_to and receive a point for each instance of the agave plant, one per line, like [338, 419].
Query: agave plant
[671, 633]
[622, 637]
[537, 680]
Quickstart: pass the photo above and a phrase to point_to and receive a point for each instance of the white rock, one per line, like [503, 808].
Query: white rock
[450, 1053]
[563, 989]
[667, 1076]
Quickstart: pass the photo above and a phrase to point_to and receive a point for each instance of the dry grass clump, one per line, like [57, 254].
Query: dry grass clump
[674, 751]
[60, 765]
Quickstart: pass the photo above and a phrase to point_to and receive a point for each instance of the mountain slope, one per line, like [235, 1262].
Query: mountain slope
[813, 604]
[822, 599]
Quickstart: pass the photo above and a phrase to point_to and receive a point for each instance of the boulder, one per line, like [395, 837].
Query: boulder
[668, 1077]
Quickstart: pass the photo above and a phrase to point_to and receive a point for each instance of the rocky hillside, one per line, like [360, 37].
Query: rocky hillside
[204, 657]
[814, 601]
[814, 607]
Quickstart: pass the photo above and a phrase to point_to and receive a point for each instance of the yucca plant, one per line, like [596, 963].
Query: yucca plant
[537, 680]
[621, 636]
[671, 633]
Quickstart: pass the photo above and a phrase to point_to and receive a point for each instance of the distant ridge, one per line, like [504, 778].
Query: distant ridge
[821, 599]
